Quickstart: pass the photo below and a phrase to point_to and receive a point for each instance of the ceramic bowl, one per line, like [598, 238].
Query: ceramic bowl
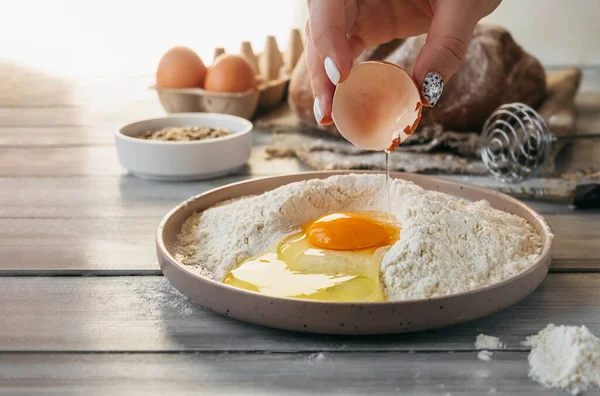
[340, 317]
[187, 160]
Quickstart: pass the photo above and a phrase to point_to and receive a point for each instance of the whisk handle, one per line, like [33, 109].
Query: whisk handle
[567, 138]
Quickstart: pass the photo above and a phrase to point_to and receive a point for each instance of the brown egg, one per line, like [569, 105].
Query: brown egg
[180, 67]
[377, 107]
[230, 73]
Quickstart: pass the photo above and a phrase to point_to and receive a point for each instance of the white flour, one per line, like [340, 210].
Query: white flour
[446, 246]
[488, 342]
[566, 357]
[317, 357]
[483, 343]
[484, 355]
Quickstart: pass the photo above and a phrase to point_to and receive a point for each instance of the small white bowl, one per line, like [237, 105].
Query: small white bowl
[188, 160]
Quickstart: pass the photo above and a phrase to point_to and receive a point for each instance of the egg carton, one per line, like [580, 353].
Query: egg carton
[197, 100]
[273, 68]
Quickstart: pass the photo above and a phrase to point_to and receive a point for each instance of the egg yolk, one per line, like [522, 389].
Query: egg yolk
[350, 231]
[334, 258]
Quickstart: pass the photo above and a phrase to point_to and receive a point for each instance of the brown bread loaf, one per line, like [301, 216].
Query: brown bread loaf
[496, 71]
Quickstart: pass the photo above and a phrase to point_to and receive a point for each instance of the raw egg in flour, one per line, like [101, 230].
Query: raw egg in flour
[334, 258]
[377, 107]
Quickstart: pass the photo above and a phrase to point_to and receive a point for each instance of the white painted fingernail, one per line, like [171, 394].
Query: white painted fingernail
[332, 71]
[318, 110]
[432, 87]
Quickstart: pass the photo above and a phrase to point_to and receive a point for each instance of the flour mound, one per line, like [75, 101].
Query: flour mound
[451, 246]
[488, 342]
[566, 357]
[446, 245]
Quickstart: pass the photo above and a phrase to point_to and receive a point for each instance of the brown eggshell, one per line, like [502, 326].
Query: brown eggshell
[180, 67]
[230, 73]
[377, 107]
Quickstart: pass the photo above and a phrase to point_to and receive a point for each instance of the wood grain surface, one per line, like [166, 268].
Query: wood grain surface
[145, 313]
[84, 309]
[339, 373]
[102, 161]
[92, 242]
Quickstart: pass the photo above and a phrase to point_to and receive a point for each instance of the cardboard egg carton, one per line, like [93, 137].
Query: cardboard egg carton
[273, 71]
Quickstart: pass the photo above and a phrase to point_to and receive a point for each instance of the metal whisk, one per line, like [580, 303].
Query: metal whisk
[516, 142]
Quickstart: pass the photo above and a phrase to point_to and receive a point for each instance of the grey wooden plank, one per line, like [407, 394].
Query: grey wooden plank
[126, 196]
[588, 113]
[55, 136]
[61, 161]
[542, 206]
[33, 100]
[107, 110]
[42, 116]
[28, 87]
[102, 161]
[126, 244]
[97, 196]
[579, 154]
[577, 241]
[147, 314]
[78, 245]
[25, 86]
[270, 374]
[590, 83]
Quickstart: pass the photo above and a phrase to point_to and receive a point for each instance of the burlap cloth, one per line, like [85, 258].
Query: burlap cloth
[430, 150]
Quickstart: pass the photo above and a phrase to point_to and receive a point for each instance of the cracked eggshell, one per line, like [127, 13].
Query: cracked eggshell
[377, 107]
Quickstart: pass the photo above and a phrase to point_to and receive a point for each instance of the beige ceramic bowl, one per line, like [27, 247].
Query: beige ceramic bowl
[348, 318]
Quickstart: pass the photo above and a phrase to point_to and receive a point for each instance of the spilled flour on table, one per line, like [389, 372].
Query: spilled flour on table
[161, 297]
[317, 357]
[485, 342]
[488, 342]
[447, 245]
[566, 357]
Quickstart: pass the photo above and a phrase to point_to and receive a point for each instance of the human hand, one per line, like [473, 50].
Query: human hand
[339, 30]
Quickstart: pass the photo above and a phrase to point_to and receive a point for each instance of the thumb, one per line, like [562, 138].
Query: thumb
[446, 47]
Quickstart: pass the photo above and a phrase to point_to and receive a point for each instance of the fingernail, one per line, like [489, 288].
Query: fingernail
[318, 110]
[432, 87]
[332, 71]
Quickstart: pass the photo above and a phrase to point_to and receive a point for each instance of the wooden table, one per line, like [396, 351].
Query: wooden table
[84, 308]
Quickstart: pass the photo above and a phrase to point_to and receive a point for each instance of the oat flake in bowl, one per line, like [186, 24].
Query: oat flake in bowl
[187, 133]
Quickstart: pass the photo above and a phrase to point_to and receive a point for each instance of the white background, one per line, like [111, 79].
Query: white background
[93, 37]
